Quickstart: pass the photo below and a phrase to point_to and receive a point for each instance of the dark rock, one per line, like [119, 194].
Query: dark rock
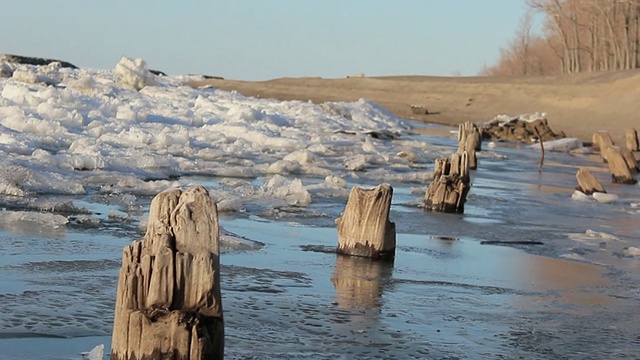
[27, 60]
[419, 110]
[157, 73]
[522, 131]
[207, 77]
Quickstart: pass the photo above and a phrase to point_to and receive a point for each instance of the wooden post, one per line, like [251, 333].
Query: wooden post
[541, 162]
[469, 140]
[451, 183]
[620, 171]
[168, 302]
[364, 228]
[630, 159]
[631, 136]
[587, 183]
[602, 140]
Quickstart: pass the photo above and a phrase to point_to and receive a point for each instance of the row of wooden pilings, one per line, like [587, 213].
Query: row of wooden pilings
[621, 162]
[168, 302]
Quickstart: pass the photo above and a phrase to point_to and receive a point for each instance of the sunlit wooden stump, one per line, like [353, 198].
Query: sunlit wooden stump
[618, 166]
[450, 186]
[602, 140]
[364, 228]
[587, 183]
[469, 140]
[168, 302]
[631, 137]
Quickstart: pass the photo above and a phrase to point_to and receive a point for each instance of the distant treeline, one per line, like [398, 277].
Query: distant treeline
[578, 36]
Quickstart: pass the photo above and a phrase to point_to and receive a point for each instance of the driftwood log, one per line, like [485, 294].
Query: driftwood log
[469, 140]
[364, 228]
[618, 166]
[587, 183]
[168, 300]
[631, 137]
[602, 141]
[450, 186]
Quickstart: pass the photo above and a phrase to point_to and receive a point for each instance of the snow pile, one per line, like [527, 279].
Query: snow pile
[90, 135]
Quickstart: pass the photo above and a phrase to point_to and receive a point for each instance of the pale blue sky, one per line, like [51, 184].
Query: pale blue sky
[260, 40]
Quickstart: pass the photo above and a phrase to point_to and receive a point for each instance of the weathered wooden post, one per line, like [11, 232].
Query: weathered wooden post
[469, 140]
[364, 228]
[451, 183]
[630, 159]
[631, 137]
[587, 183]
[602, 140]
[168, 302]
[620, 171]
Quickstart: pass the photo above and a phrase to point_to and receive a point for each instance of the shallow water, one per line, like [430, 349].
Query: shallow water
[444, 296]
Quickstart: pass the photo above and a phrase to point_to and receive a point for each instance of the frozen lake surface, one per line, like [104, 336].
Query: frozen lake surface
[81, 161]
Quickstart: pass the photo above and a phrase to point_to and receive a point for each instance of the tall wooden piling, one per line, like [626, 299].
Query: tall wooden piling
[168, 302]
[450, 186]
[364, 228]
[469, 140]
[631, 161]
[618, 166]
[602, 140]
[631, 138]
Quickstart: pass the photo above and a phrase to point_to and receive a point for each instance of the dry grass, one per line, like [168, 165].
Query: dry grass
[576, 104]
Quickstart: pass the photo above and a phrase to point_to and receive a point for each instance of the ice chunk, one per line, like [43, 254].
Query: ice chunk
[5, 70]
[230, 241]
[301, 157]
[356, 163]
[560, 145]
[292, 191]
[600, 235]
[284, 167]
[27, 221]
[335, 181]
[631, 251]
[97, 353]
[604, 197]
[133, 73]
[580, 196]
[24, 74]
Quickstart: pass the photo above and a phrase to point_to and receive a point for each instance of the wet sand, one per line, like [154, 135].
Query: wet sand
[579, 104]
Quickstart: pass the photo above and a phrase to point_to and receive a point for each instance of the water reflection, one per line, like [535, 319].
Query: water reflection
[359, 282]
[573, 284]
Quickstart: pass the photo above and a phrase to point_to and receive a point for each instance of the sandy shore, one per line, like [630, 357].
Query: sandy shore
[578, 104]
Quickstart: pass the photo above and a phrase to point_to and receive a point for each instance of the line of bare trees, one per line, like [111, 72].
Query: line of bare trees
[578, 35]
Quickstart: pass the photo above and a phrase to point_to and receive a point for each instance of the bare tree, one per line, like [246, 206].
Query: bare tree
[583, 35]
